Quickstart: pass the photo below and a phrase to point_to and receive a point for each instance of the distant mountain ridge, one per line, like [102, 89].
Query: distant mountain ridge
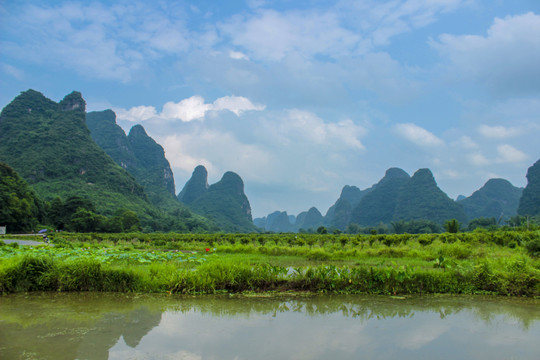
[223, 202]
[378, 206]
[421, 199]
[498, 199]
[398, 196]
[62, 151]
[339, 214]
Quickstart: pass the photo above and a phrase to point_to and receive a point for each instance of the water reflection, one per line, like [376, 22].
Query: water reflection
[118, 326]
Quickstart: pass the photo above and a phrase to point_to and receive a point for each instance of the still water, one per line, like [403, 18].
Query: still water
[120, 326]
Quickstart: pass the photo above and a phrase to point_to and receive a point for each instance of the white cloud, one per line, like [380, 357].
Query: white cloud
[189, 109]
[271, 35]
[417, 135]
[136, 113]
[264, 149]
[177, 150]
[383, 20]
[237, 55]
[186, 110]
[467, 143]
[307, 126]
[236, 104]
[506, 59]
[509, 154]
[97, 41]
[478, 159]
[499, 132]
[208, 147]
[12, 71]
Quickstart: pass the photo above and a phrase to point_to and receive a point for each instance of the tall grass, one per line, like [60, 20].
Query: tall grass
[508, 276]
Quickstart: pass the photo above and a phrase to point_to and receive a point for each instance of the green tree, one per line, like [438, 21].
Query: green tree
[125, 221]
[20, 208]
[482, 222]
[84, 220]
[452, 226]
[322, 230]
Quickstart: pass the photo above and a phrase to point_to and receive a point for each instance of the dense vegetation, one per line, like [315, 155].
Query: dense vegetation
[504, 263]
[379, 204]
[529, 204]
[138, 153]
[20, 208]
[421, 199]
[498, 198]
[223, 202]
[339, 214]
[49, 145]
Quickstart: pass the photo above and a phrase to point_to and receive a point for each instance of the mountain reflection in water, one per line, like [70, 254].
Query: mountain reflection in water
[120, 326]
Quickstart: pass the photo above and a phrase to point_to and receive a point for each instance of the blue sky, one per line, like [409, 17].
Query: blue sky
[298, 97]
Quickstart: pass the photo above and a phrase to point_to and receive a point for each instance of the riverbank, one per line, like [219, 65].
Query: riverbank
[391, 264]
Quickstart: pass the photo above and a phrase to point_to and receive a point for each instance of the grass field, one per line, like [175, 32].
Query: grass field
[502, 263]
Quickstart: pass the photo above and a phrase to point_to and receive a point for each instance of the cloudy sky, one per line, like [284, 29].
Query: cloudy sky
[298, 97]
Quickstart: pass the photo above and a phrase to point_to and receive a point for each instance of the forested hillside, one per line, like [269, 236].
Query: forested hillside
[50, 146]
[497, 199]
[380, 203]
[137, 153]
[421, 199]
[223, 202]
[529, 204]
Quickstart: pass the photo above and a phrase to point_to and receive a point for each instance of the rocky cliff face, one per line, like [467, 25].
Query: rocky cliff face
[138, 153]
[111, 138]
[153, 168]
[196, 186]
[73, 102]
[529, 204]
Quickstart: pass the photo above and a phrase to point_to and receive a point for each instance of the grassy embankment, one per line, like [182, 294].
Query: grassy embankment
[502, 263]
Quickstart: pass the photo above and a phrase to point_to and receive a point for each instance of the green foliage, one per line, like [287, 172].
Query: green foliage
[421, 199]
[322, 230]
[415, 227]
[50, 146]
[498, 199]
[137, 153]
[452, 226]
[20, 209]
[484, 223]
[381, 264]
[380, 203]
[529, 204]
[226, 204]
[533, 247]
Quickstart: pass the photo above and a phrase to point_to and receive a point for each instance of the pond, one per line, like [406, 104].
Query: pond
[127, 326]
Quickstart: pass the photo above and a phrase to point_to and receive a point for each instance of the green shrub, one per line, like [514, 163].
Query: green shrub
[533, 247]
